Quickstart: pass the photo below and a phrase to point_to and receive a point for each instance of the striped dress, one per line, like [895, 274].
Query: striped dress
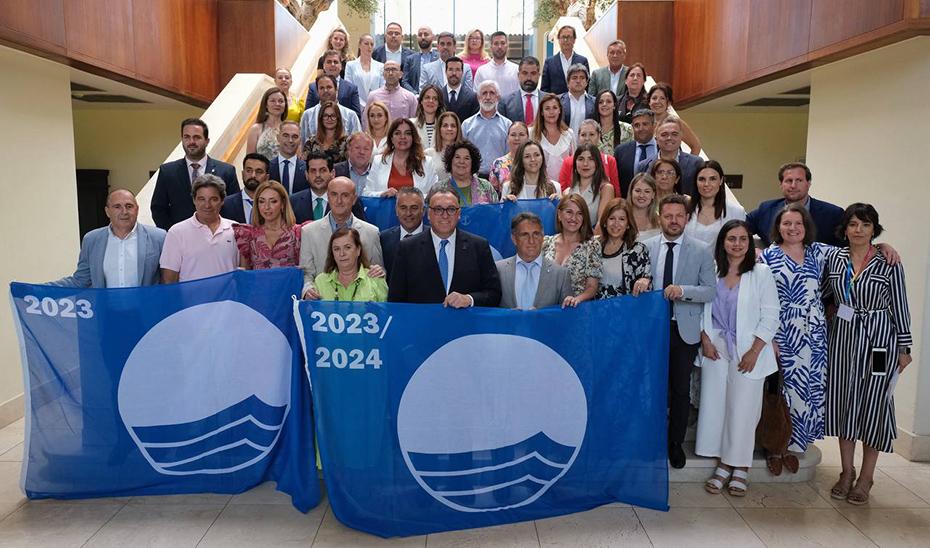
[857, 403]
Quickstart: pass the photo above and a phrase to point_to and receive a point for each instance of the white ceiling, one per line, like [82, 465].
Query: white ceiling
[773, 89]
[112, 87]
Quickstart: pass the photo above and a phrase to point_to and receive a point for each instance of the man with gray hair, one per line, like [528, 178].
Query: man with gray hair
[577, 104]
[613, 76]
[203, 245]
[357, 165]
[528, 279]
[487, 129]
[409, 209]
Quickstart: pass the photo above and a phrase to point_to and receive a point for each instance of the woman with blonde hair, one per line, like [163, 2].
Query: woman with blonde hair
[366, 73]
[273, 238]
[377, 121]
[645, 206]
[295, 105]
[473, 52]
[338, 40]
[575, 247]
[448, 131]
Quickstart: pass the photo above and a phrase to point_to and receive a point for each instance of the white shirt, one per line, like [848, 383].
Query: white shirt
[534, 100]
[404, 233]
[202, 163]
[458, 92]
[450, 254]
[576, 116]
[247, 204]
[121, 260]
[566, 63]
[659, 279]
[505, 74]
[291, 168]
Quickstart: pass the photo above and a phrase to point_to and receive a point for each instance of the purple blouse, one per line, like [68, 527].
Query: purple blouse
[724, 315]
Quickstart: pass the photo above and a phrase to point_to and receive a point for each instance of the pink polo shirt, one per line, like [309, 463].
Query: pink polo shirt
[193, 251]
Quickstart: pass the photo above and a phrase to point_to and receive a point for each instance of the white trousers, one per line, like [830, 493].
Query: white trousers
[731, 406]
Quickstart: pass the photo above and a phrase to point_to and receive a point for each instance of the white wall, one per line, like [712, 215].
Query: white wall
[38, 215]
[867, 141]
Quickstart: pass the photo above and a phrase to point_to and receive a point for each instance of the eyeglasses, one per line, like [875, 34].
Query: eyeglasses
[566, 38]
[665, 172]
[390, 69]
[444, 211]
[329, 115]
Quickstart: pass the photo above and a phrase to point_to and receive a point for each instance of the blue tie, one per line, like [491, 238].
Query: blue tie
[444, 264]
[528, 291]
[286, 177]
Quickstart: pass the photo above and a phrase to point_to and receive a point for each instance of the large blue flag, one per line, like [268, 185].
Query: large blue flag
[431, 419]
[490, 221]
[183, 388]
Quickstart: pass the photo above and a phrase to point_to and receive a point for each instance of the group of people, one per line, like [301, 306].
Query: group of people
[818, 300]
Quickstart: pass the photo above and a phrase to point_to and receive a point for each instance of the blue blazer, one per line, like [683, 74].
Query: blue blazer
[625, 155]
[302, 204]
[513, 108]
[89, 272]
[300, 181]
[411, 67]
[171, 200]
[466, 102]
[689, 167]
[589, 111]
[390, 241]
[232, 209]
[826, 218]
[380, 54]
[346, 95]
[553, 79]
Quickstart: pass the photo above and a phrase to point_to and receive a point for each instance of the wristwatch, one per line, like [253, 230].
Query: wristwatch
[906, 350]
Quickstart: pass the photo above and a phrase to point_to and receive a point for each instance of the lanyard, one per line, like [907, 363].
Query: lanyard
[459, 192]
[851, 276]
[355, 285]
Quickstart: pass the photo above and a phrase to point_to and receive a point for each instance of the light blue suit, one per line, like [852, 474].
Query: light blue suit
[434, 73]
[89, 271]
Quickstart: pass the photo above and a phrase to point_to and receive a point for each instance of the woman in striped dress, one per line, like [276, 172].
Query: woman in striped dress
[869, 346]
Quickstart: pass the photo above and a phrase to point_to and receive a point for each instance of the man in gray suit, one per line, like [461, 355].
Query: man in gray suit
[613, 76]
[314, 237]
[523, 105]
[684, 268]
[529, 280]
[435, 71]
[122, 254]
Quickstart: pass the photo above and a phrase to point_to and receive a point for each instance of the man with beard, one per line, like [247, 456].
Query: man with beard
[401, 103]
[286, 166]
[347, 92]
[487, 129]
[171, 200]
[238, 207]
[413, 63]
[458, 97]
[313, 203]
[435, 71]
[502, 71]
[523, 104]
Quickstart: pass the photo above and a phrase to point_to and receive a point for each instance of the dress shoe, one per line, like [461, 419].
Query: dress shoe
[676, 455]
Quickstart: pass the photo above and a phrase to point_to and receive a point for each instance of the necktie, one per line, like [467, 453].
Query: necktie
[407, 236]
[528, 110]
[444, 264]
[452, 97]
[669, 273]
[528, 291]
[195, 171]
[286, 176]
[643, 153]
[318, 210]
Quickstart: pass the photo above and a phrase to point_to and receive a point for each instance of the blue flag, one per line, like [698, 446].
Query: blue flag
[490, 221]
[432, 419]
[184, 388]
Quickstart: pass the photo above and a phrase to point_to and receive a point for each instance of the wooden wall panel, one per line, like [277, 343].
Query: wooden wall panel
[200, 50]
[647, 28]
[726, 32]
[833, 21]
[36, 23]
[690, 68]
[101, 31]
[924, 8]
[246, 37]
[290, 37]
[159, 57]
[780, 30]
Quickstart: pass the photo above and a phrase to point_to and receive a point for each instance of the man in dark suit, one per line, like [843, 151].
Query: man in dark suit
[577, 104]
[458, 97]
[668, 139]
[795, 179]
[443, 264]
[286, 167]
[643, 145]
[312, 203]
[412, 63]
[392, 48]
[514, 106]
[238, 207]
[346, 91]
[409, 209]
[556, 67]
[171, 200]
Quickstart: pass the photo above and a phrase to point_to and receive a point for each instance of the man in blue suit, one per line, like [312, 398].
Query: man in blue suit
[795, 179]
[643, 146]
[238, 207]
[555, 70]
[458, 97]
[171, 200]
[409, 209]
[434, 72]
[346, 91]
[413, 62]
[393, 48]
[514, 106]
[286, 167]
[577, 104]
[668, 139]
[124, 253]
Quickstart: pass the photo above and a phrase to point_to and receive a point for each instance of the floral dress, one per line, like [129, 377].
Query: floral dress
[500, 171]
[250, 240]
[622, 269]
[583, 263]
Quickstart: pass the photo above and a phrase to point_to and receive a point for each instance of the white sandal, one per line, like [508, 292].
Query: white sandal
[739, 483]
[715, 483]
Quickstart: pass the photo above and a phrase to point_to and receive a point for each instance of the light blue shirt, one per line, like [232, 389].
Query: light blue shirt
[450, 253]
[247, 205]
[489, 135]
[121, 260]
[526, 281]
[360, 179]
[350, 123]
[651, 151]
[335, 226]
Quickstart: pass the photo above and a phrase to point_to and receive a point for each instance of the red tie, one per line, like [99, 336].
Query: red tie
[528, 110]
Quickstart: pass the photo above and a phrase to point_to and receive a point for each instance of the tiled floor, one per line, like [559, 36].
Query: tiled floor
[772, 515]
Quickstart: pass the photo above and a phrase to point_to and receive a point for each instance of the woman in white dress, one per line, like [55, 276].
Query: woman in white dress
[528, 175]
[551, 131]
[429, 107]
[366, 73]
[450, 131]
[645, 210]
[709, 205]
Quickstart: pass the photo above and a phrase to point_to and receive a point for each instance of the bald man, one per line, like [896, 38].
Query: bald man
[400, 102]
[124, 253]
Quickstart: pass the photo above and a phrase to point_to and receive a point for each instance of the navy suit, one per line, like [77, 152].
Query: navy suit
[589, 109]
[172, 201]
[300, 181]
[553, 77]
[346, 95]
[513, 106]
[625, 155]
[302, 204]
[415, 276]
[826, 218]
[390, 241]
[466, 102]
[380, 54]
[411, 68]
[689, 167]
[232, 209]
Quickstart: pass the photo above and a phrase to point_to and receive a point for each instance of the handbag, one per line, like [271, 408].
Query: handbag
[773, 433]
